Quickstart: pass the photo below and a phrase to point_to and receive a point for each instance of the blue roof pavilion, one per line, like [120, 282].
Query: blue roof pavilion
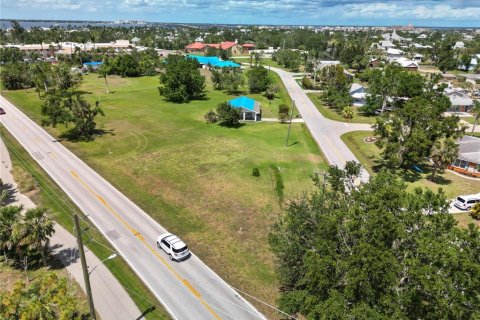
[249, 108]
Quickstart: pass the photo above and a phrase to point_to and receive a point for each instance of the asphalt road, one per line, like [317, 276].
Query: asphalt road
[111, 300]
[189, 289]
[326, 132]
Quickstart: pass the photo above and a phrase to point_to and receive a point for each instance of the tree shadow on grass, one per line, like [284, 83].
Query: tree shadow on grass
[83, 92]
[72, 136]
[440, 180]
[234, 126]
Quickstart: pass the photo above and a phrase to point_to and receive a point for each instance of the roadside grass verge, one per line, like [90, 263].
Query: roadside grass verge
[331, 114]
[464, 219]
[46, 193]
[196, 178]
[369, 155]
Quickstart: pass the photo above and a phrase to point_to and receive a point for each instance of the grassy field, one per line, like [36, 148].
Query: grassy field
[464, 219]
[331, 114]
[368, 154]
[196, 178]
[470, 120]
[34, 182]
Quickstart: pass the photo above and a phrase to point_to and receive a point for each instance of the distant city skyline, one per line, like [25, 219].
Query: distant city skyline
[433, 13]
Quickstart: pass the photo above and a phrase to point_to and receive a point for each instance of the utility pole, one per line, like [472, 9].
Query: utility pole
[86, 277]
[290, 124]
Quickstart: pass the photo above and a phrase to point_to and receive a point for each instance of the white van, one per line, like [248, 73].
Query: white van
[467, 202]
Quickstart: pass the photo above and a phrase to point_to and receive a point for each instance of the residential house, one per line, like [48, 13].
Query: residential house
[459, 45]
[247, 48]
[421, 46]
[233, 47]
[393, 54]
[249, 108]
[418, 57]
[195, 47]
[386, 44]
[326, 63]
[422, 36]
[407, 64]
[459, 98]
[468, 159]
[358, 94]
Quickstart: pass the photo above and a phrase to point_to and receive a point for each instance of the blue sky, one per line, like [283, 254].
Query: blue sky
[459, 13]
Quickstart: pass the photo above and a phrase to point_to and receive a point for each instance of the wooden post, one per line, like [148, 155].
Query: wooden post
[86, 277]
[289, 125]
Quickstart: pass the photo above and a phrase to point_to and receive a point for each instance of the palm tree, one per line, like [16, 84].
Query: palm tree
[103, 71]
[347, 113]
[9, 217]
[442, 154]
[476, 110]
[35, 230]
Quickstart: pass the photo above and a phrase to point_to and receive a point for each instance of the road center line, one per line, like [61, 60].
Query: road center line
[138, 235]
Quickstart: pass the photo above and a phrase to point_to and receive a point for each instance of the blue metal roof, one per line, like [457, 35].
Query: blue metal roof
[214, 61]
[243, 102]
[93, 63]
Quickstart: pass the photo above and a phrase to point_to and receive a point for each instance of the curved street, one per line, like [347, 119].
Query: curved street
[326, 132]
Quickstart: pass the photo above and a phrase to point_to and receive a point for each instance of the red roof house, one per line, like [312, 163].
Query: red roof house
[195, 47]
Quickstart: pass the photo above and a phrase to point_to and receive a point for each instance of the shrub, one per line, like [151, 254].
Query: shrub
[475, 213]
[228, 115]
[307, 83]
[283, 113]
[256, 172]
[211, 117]
[272, 89]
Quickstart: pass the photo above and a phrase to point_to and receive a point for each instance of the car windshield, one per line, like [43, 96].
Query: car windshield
[180, 249]
[460, 199]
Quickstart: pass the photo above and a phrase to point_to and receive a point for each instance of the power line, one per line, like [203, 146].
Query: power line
[50, 191]
[32, 171]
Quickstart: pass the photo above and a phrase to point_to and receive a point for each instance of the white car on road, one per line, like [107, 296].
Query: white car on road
[466, 202]
[175, 248]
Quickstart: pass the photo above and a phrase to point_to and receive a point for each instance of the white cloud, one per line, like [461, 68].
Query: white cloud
[422, 12]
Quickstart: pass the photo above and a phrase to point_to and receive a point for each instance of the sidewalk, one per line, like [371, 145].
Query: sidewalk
[110, 299]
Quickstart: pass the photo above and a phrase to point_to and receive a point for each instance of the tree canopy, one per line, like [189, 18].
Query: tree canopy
[258, 79]
[181, 80]
[375, 251]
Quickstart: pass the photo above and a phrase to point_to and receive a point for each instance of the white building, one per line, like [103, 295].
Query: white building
[358, 94]
[393, 54]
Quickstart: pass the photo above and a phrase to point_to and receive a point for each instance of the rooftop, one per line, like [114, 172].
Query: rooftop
[245, 103]
[469, 149]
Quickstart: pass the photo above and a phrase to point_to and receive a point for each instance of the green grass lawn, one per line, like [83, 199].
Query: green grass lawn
[470, 120]
[196, 178]
[368, 154]
[331, 114]
[464, 219]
